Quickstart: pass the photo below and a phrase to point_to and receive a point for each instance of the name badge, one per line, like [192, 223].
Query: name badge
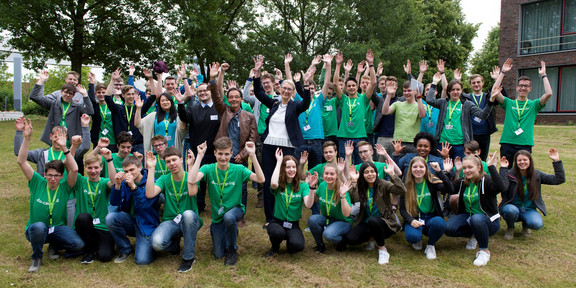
[129, 132]
[168, 138]
[449, 127]
[287, 225]
[306, 128]
[214, 117]
[178, 218]
[350, 124]
[328, 108]
[268, 110]
[430, 125]
[519, 131]
[50, 230]
[105, 131]
[221, 210]
[422, 221]
[96, 221]
[477, 119]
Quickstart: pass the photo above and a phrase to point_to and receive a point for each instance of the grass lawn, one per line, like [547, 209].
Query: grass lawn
[545, 259]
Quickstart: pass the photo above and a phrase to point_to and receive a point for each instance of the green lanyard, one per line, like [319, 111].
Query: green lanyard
[451, 110]
[64, 113]
[166, 123]
[350, 106]
[223, 185]
[288, 200]
[328, 206]
[178, 194]
[520, 113]
[163, 170]
[93, 196]
[470, 195]
[478, 102]
[51, 201]
[370, 200]
[104, 112]
[129, 116]
[52, 155]
[310, 108]
[429, 110]
[420, 197]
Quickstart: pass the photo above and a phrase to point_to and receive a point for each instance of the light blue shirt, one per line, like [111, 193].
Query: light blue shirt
[311, 119]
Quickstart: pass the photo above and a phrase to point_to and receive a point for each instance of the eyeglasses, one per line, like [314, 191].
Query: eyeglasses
[287, 89]
[524, 86]
[53, 175]
[158, 145]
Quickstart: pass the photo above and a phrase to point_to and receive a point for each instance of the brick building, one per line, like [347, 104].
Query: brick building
[533, 31]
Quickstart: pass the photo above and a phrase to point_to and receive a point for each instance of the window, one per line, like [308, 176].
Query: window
[563, 88]
[548, 26]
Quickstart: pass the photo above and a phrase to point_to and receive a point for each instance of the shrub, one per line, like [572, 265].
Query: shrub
[31, 108]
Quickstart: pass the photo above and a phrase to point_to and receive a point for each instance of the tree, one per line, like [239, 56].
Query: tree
[487, 57]
[103, 32]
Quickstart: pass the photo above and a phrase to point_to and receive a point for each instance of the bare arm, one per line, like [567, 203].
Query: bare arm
[498, 82]
[547, 87]
[287, 70]
[276, 174]
[23, 153]
[151, 189]
[328, 68]
[339, 60]
[370, 62]
[259, 175]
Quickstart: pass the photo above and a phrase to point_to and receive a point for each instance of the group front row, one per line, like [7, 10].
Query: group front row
[355, 206]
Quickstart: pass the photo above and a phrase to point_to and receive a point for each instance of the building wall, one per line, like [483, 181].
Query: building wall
[509, 33]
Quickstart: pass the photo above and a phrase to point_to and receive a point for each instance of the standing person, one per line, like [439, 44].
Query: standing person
[48, 198]
[334, 220]
[159, 144]
[282, 130]
[376, 217]
[290, 194]
[477, 206]
[225, 195]
[72, 79]
[523, 198]
[354, 106]
[421, 207]
[136, 216]
[454, 118]
[180, 217]
[102, 125]
[384, 124]
[92, 194]
[518, 131]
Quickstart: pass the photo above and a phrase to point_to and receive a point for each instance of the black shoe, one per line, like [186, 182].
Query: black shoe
[265, 226]
[186, 265]
[320, 248]
[270, 253]
[175, 251]
[341, 246]
[231, 258]
[88, 258]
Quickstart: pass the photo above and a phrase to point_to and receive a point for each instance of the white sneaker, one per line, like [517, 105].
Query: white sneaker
[371, 245]
[307, 229]
[471, 245]
[418, 245]
[481, 258]
[383, 257]
[430, 252]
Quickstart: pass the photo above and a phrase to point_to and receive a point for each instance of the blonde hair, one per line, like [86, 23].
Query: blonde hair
[478, 162]
[411, 194]
[336, 190]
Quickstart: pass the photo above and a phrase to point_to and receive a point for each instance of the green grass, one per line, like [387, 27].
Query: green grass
[545, 259]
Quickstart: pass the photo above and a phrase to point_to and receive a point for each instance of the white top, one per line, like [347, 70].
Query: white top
[277, 132]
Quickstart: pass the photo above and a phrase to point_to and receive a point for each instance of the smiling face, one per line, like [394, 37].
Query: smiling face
[268, 85]
[455, 92]
[71, 79]
[351, 87]
[223, 156]
[67, 95]
[522, 162]
[165, 103]
[100, 93]
[409, 93]
[235, 99]
[418, 169]
[124, 149]
[370, 175]
[204, 94]
[174, 163]
[423, 148]
[364, 83]
[523, 88]
[330, 175]
[93, 170]
[477, 83]
[53, 177]
[290, 170]
[329, 153]
[287, 91]
[170, 85]
[471, 170]
[129, 96]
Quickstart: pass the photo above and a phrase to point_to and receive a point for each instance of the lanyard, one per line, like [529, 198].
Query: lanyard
[328, 206]
[93, 196]
[350, 106]
[104, 112]
[520, 113]
[479, 101]
[166, 123]
[52, 200]
[52, 155]
[129, 116]
[64, 112]
[370, 199]
[178, 194]
[451, 110]
[420, 196]
[223, 185]
[288, 200]
[429, 110]
[163, 170]
[470, 195]
[310, 108]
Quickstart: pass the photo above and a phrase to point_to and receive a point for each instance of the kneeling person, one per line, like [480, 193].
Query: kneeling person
[180, 217]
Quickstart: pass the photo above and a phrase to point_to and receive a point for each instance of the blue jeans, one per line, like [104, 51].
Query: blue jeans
[480, 226]
[121, 225]
[63, 237]
[333, 232]
[167, 235]
[314, 149]
[457, 151]
[342, 151]
[225, 233]
[433, 227]
[531, 219]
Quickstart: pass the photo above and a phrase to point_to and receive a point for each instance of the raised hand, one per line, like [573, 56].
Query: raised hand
[457, 74]
[440, 66]
[60, 139]
[303, 158]
[28, 128]
[288, 58]
[348, 66]
[231, 83]
[437, 78]
[312, 180]
[179, 97]
[380, 150]
[542, 69]
[147, 73]
[20, 123]
[201, 149]
[214, 70]
[190, 158]
[398, 147]
[76, 140]
[43, 77]
[445, 152]
[279, 74]
[389, 167]
[138, 102]
[370, 57]
[252, 73]
[448, 164]
[349, 147]
[117, 73]
[341, 164]
[380, 69]
[554, 155]
[92, 78]
[182, 71]
[435, 166]
[309, 74]
[495, 92]
[423, 66]
[408, 67]
[193, 73]
[103, 142]
[504, 162]
[458, 163]
[495, 72]
[249, 147]
[85, 120]
[297, 77]
[316, 60]
[138, 155]
[327, 58]
[507, 65]
[340, 58]
[258, 63]
[225, 66]
[150, 160]
[361, 66]
[82, 90]
[279, 154]
[354, 174]
[106, 153]
[492, 159]
[344, 188]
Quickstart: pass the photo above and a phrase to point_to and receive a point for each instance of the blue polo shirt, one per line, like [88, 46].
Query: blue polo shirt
[311, 119]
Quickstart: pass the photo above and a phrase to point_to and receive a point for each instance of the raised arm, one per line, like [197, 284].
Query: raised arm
[194, 176]
[498, 82]
[370, 62]
[441, 69]
[107, 154]
[328, 68]
[23, 153]
[151, 189]
[276, 174]
[287, 60]
[69, 161]
[547, 87]
[258, 176]
[220, 81]
[115, 74]
[339, 60]
[344, 188]
[423, 68]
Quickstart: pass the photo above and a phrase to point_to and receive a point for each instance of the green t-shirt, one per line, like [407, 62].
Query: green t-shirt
[329, 117]
[453, 119]
[55, 155]
[39, 201]
[380, 166]
[528, 111]
[245, 106]
[222, 200]
[369, 120]
[116, 161]
[423, 198]
[177, 197]
[328, 208]
[161, 168]
[92, 198]
[288, 203]
[406, 120]
[472, 200]
[353, 115]
[264, 111]
[106, 126]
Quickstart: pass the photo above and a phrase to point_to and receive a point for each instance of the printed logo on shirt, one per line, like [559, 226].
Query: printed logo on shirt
[46, 203]
[225, 184]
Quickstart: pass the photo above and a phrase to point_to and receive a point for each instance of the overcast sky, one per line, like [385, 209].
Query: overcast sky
[485, 12]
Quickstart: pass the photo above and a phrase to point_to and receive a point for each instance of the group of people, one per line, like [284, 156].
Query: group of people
[157, 154]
